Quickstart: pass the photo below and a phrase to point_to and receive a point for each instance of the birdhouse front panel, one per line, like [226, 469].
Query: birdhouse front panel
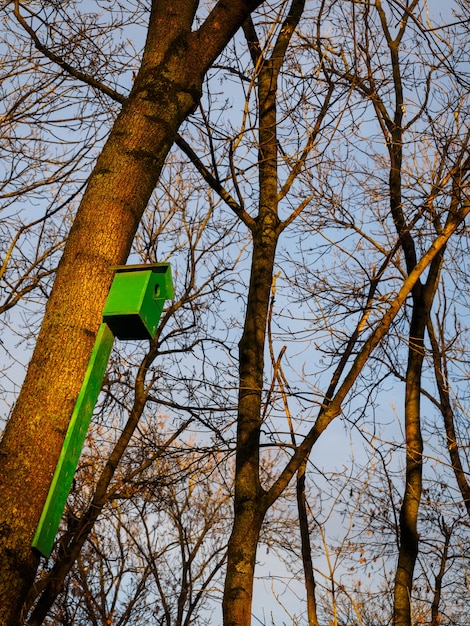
[136, 300]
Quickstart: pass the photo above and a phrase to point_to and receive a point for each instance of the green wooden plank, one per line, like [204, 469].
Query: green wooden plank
[62, 481]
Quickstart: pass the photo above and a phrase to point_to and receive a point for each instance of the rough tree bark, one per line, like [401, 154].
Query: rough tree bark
[166, 90]
[422, 299]
[306, 548]
[250, 504]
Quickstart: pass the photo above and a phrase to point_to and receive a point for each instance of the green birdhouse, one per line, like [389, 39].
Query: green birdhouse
[136, 299]
[132, 311]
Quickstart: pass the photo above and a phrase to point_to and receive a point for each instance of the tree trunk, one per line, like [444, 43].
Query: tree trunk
[436, 598]
[440, 372]
[408, 551]
[241, 560]
[249, 505]
[166, 90]
[310, 584]
[423, 297]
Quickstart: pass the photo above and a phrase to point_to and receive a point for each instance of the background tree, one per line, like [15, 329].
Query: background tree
[385, 85]
[243, 562]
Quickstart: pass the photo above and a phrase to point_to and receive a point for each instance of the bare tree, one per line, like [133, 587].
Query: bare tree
[254, 500]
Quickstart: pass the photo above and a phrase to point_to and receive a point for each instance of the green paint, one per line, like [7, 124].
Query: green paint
[136, 299]
[132, 311]
[62, 481]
